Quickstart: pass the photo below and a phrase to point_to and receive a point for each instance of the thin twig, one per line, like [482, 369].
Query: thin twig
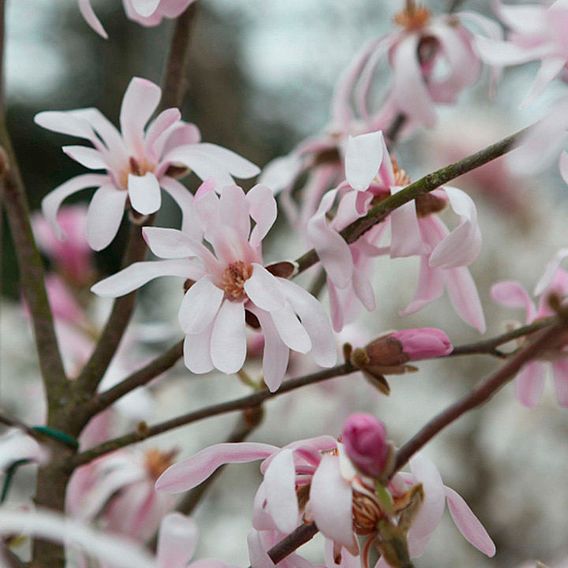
[479, 395]
[424, 185]
[250, 401]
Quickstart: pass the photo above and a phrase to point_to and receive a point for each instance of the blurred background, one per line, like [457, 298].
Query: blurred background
[260, 78]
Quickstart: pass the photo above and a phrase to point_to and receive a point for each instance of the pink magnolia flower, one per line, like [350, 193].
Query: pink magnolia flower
[71, 256]
[432, 61]
[371, 176]
[136, 160]
[365, 441]
[537, 33]
[145, 12]
[530, 380]
[544, 143]
[118, 491]
[230, 285]
[423, 343]
[315, 479]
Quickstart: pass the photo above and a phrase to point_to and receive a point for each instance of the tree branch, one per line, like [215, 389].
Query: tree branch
[477, 396]
[421, 186]
[250, 401]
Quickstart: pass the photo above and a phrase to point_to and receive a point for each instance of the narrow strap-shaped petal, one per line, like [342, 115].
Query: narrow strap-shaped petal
[183, 197]
[331, 503]
[158, 129]
[280, 485]
[264, 289]
[263, 211]
[406, 237]
[171, 243]
[105, 213]
[189, 473]
[513, 295]
[199, 306]
[363, 158]
[550, 271]
[281, 172]
[464, 297]
[549, 69]
[139, 103]
[237, 165]
[53, 200]
[468, 524]
[91, 18]
[139, 273]
[88, 157]
[529, 383]
[258, 554]
[204, 165]
[290, 330]
[430, 287]
[197, 352]
[177, 541]
[144, 193]
[560, 370]
[145, 7]
[228, 339]
[234, 211]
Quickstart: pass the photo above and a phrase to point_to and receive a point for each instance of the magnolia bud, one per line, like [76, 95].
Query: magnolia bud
[423, 343]
[365, 441]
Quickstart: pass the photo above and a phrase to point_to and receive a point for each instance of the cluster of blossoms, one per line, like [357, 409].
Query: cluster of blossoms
[353, 208]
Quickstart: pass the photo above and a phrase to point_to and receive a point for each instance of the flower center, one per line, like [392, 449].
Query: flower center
[366, 513]
[413, 17]
[135, 168]
[401, 178]
[156, 462]
[234, 278]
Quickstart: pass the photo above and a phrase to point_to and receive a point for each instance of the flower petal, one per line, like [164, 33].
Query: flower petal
[280, 484]
[560, 370]
[465, 298]
[88, 157]
[204, 166]
[363, 158]
[513, 295]
[263, 211]
[406, 238]
[264, 290]
[177, 541]
[189, 473]
[529, 383]
[139, 273]
[197, 352]
[290, 330]
[144, 193]
[105, 213]
[183, 197]
[91, 18]
[199, 306]
[550, 271]
[237, 165]
[229, 340]
[145, 7]
[53, 200]
[280, 173]
[468, 524]
[331, 502]
[171, 243]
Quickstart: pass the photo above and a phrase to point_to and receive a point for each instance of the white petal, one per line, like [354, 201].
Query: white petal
[197, 352]
[91, 18]
[363, 158]
[290, 329]
[199, 306]
[263, 290]
[88, 157]
[145, 7]
[144, 193]
[237, 165]
[228, 340]
[105, 213]
[177, 541]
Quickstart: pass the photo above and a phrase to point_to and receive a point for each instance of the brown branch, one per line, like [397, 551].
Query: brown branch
[421, 186]
[478, 396]
[250, 401]
[139, 378]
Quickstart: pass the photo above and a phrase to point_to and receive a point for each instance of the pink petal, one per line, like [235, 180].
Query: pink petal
[462, 246]
[159, 130]
[237, 165]
[513, 295]
[290, 330]
[468, 524]
[280, 173]
[171, 243]
[560, 370]
[430, 287]
[363, 158]
[549, 272]
[189, 473]
[333, 251]
[275, 355]
[464, 297]
[144, 193]
[183, 197]
[139, 103]
[430, 514]
[88, 157]
[264, 290]
[258, 555]
[204, 166]
[228, 339]
[315, 321]
[105, 213]
[91, 18]
[280, 483]
[529, 383]
[199, 306]
[263, 211]
[406, 238]
[145, 7]
[64, 122]
[196, 352]
[177, 541]
[53, 200]
[234, 211]
[549, 69]
[139, 273]
[331, 502]
[501, 53]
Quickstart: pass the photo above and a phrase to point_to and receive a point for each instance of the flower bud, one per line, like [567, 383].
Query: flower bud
[365, 441]
[423, 343]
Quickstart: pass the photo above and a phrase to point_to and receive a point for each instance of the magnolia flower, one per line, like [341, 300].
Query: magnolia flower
[136, 160]
[145, 12]
[118, 491]
[529, 382]
[537, 33]
[544, 143]
[71, 256]
[432, 60]
[230, 285]
[314, 479]
[371, 176]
